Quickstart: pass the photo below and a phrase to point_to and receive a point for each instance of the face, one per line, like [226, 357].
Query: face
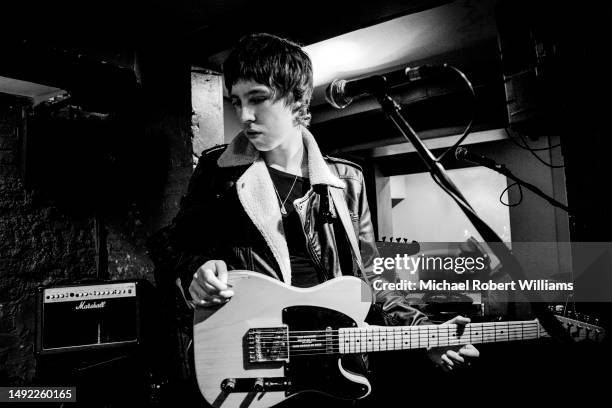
[267, 123]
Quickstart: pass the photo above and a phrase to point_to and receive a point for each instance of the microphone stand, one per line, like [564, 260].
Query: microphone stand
[437, 171]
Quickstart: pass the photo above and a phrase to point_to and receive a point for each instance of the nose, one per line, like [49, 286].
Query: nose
[246, 114]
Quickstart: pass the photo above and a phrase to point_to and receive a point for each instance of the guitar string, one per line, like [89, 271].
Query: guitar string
[365, 339]
[398, 333]
[326, 351]
[450, 326]
[501, 337]
[421, 331]
[395, 339]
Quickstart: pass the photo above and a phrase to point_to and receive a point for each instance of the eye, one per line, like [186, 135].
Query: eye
[258, 99]
[235, 103]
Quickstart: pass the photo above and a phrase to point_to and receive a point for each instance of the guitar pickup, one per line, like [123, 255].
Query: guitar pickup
[268, 344]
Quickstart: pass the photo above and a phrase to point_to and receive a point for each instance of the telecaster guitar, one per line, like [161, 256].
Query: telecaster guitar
[272, 341]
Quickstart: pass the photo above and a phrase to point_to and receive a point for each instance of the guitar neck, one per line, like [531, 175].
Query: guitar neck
[377, 338]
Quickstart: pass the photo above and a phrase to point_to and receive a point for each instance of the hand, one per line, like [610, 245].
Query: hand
[450, 358]
[209, 284]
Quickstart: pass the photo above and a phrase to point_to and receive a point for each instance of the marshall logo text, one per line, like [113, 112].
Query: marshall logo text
[93, 305]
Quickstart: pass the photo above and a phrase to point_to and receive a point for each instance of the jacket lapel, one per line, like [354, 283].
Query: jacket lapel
[257, 196]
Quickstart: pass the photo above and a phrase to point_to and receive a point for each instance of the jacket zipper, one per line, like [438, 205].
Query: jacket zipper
[313, 256]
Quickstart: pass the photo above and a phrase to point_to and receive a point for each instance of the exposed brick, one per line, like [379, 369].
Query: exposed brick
[7, 157]
[8, 136]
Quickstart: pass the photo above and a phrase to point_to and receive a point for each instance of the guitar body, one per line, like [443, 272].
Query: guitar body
[231, 372]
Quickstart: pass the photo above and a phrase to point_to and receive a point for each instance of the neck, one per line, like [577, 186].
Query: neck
[288, 157]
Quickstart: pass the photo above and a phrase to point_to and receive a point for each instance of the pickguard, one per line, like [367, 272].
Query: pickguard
[314, 370]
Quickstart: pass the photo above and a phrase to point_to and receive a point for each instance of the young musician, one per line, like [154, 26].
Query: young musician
[271, 202]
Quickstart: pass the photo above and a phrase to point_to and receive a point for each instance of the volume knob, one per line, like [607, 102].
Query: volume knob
[228, 385]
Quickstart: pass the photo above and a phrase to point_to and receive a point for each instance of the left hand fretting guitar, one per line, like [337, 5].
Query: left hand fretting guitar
[272, 341]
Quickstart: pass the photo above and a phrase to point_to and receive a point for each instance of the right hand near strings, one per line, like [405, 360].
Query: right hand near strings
[209, 284]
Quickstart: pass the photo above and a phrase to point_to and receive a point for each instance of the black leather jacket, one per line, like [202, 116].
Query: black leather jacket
[229, 213]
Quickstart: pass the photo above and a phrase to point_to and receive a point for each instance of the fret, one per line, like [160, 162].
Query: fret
[515, 331]
[360, 340]
[376, 340]
[501, 332]
[371, 345]
[476, 335]
[450, 338]
[432, 336]
[413, 334]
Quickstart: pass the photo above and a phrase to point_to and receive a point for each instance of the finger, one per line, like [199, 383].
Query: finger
[209, 288]
[209, 301]
[197, 293]
[448, 361]
[221, 272]
[202, 298]
[199, 280]
[454, 356]
[469, 351]
[211, 279]
[460, 320]
[223, 276]
[212, 291]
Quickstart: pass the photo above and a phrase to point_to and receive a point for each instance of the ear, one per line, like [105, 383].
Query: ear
[295, 110]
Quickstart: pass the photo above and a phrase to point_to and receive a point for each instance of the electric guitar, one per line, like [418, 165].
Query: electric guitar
[271, 341]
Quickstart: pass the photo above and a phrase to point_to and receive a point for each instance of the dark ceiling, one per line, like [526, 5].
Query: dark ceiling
[112, 30]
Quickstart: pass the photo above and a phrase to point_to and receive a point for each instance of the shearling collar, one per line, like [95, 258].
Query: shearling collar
[241, 152]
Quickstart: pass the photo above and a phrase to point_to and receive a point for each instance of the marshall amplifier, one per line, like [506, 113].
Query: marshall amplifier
[89, 317]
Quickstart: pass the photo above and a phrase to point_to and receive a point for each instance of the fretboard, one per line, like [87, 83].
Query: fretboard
[377, 338]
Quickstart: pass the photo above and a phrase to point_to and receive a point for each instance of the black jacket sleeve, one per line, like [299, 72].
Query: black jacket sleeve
[179, 249]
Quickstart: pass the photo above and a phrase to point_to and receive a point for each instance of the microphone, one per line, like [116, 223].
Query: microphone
[461, 153]
[340, 92]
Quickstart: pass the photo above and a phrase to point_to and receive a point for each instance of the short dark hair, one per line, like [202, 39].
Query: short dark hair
[276, 62]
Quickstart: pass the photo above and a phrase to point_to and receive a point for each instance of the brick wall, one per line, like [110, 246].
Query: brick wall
[39, 245]
[48, 239]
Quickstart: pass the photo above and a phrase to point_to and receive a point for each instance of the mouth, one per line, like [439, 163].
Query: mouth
[252, 133]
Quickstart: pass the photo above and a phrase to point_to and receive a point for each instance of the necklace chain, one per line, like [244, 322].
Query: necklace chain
[282, 206]
[283, 210]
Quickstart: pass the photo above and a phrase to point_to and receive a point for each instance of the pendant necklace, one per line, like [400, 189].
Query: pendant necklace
[282, 202]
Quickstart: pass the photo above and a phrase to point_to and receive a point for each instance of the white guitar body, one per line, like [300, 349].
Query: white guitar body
[226, 374]
[272, 341]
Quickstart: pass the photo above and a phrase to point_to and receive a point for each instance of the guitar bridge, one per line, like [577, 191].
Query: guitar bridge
[268, 344]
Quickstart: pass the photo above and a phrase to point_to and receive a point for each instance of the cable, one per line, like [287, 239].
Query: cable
[533, 152]
[526, 147]
[506, 189]
[469, 126]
